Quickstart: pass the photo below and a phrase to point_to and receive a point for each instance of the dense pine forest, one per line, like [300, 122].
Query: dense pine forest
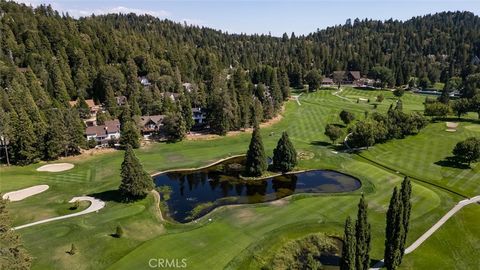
[48, 59]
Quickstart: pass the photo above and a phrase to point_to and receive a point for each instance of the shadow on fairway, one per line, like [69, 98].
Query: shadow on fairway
[336, 147]
[452, 163]
[108, 196]
[320, 143]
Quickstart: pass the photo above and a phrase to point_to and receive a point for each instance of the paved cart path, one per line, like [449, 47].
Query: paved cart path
[95, 205]
[434, 228]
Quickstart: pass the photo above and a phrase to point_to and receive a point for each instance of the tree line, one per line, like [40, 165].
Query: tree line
[48, 59]
[357, 235]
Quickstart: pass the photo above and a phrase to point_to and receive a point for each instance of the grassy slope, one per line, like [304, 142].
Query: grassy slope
[232, 232]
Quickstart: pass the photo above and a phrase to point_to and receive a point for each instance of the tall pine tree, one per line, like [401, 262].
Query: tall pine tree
[349, 247]
[12, 253]
[363, 237]
[284, 155]
[129, 134]
[394, 231]
[136, 182]
[256, 162]
[23, 139]
[406, 194]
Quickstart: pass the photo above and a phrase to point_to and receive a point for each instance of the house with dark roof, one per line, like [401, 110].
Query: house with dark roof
[346, 77]
[151, 124]
[102, 134]
[327, 81]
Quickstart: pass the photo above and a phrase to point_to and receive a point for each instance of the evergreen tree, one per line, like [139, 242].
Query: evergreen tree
[186, 110]
[23, 139]
[74, 131]
[406, 194]
[55, 139]
[284, 155]
[57, 86]
[349, 247]
[314, 80]
[362, 236]
[284, 85]
[136, 182]
[131, 74]
[394, 232]
[119, 231]
[110, 101]
[82, 107]
[175, 126]
[256, 162]
[129, 134]
[275, 91]
[12, 253]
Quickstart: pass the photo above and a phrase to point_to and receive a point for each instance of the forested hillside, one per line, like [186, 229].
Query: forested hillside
[48, 59]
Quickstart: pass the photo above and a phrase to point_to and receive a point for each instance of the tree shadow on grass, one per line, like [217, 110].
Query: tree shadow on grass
[373, 262]
[109, 196]
[320, 143]
[455, 119]
[452, 163]
[335, 147]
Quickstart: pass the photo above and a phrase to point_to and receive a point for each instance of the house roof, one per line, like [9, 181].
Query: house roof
[157, 119]
[327, 80]
[342, 73]
[90, 103]
[110, 126]
[355, 74]
[173, 96]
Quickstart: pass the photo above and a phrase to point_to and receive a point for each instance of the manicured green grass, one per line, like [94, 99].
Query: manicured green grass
[237, 236]
[454, 246]
[424, 156]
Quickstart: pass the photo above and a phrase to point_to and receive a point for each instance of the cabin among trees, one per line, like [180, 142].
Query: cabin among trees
[152, 126]
[346, 77]
[103, 134]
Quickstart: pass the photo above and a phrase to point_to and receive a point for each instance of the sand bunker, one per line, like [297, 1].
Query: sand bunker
[57, 167]
[21, 194]
[451, 126]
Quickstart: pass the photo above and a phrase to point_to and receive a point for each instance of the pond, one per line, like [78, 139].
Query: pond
[192, 194]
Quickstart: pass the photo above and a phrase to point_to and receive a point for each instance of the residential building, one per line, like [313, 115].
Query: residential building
[151, 124]
[346, 77]
[327, 81]
[144, 81]
[102, 134]
[94, 109]
[172, 96]
[198, 116]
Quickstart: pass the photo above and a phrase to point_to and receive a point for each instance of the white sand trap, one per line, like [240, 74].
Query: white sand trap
[21, 194]
[57, 167]
[95, 206]
[451, 125]
[450, 130]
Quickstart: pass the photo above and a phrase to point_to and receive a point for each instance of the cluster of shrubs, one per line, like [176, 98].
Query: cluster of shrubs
[380, 128]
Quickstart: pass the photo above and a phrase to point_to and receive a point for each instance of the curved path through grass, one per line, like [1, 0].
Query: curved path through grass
[435, 227]
[95, 205]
